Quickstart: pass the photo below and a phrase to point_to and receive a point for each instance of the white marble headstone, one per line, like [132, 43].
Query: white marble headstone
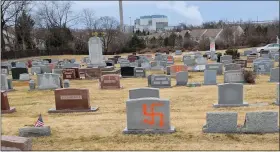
[95, 52]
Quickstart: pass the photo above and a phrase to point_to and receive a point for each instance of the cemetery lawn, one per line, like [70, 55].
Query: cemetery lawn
[102, 130]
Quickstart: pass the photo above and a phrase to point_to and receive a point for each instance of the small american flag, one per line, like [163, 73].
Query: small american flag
[39, 122]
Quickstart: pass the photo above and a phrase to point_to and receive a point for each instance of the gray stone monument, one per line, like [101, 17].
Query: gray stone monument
[66, 83]
[35, 69]
[210, 77]
[226, 59]
[32, 85]
[277, 95]
[221, 122]
[160, 81]
[234, 76]
[48, 81]
[20, 65]
[35, 131]
[178, 52]
[232, 66]
[143, 93]
[230, 95]
[95, 52]
[274, 75]
[4, 82]
[261, 122]
[24, 77]
[148, 115]
[139, 72]
[181, 78]
[215, 66]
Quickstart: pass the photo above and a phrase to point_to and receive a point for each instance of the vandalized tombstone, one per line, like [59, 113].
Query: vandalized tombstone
[230, 95]
[72, 100]
[210, 77]
[143, 93]
[181, 78]
[148, 115]
[220, 122]
[110, 81]
[5, 106]
[177, 68]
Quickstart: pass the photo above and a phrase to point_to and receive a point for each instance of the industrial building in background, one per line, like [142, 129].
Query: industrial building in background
[153, 23]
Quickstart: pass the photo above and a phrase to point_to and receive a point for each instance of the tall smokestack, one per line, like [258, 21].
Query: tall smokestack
[121, 15]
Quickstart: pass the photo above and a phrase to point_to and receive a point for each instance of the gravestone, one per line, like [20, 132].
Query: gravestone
[146, 65]
[71, 73]
[127, 72]
[221, 122]
[189, 61]
[48, 81]
[4, 82]
[10, 84]
[109, 63]
[251, 58]
[276, 58]
[215, 66]
[167, 70]
[45, 69]
[263, 67]
[261, 122]
[72, 100]
[271, 54]
[277, 95]
[210, 77]
[110, 81]
[232, 66]
[16, 143]
[71, 65]
[5, 106]
[156, 65]
[148, 115]
[226, 59]
[160, 81]
[274, 75]
[35, 131]
[95, 52]
[178, 52]
[177, 68]
[139, 72]
[131, 58]
[243, 63]
[264, 53]
[158, 57]
[230, 95]
[181, 78]
[233, 76]
[91, 73]
[124, 63]
[35, 69]
[57, 71]
[5, 70]
[66, 83]
[134, 64]
[170, 60]
[48, 60]
[17, 71]
[20, 65]
[13, 64]
[24, 77]
[32, 85]
[143, 93]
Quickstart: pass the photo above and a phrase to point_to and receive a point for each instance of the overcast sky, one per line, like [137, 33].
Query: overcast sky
[190, 12]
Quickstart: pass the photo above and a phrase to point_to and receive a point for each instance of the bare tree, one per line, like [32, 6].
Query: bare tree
[9, 11]
[109, 26]
[89, 19]
[56, 14]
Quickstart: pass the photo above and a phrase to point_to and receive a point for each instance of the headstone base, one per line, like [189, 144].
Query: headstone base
[53, 110]
[230, 105]
[206, 130]
[102, 65]
[35, 131]
[181, 83]
[194, 84]
[12, 109]
[150, 131]
[209, 83]
[160, 86]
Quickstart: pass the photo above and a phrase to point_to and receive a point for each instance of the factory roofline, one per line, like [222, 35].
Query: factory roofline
[153, 16]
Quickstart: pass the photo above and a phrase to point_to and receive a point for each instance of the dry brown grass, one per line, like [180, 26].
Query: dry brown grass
[102, 130]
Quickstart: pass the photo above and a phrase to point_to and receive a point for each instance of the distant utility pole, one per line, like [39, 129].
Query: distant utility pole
[121, 15]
